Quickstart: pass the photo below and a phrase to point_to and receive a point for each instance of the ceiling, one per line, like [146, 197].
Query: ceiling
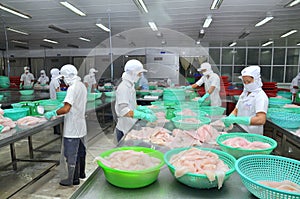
[173, 18]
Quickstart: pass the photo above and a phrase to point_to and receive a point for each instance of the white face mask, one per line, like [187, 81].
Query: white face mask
[251, 87]
[137, 78]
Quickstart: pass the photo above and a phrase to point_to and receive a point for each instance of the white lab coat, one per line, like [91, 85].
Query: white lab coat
[250, 105]
[27, 78]
[74, 122]
[125, 95]
[90, 80]
[295, 82]
[54, 84]
[213, 80]
[43, 80]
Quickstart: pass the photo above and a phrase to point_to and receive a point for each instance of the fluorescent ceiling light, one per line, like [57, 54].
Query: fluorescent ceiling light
[262, 22]
[141, 5]
[153, 26]
[17, 31]
[292, 3]
[14, 11]
[288, 33]
[216, 4]
[244, 34]
[267, 43]
[198, 42]
[72, 8]
[298, 44]
[58, 29]
[84, 39]
[19, 42]
[201, 34]
[103, 27]
[207, 22]
[50, 41]
[232, 44]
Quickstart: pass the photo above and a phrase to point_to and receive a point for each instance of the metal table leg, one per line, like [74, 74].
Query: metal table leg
[30, 147]
[13, 156]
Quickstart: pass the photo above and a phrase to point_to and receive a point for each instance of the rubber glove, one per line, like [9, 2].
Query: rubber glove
[238, 120]
[145, 116]
[203, 98]
[21, 86]
[50, 114]
[1, 128]
[144, 109]
[96, 90]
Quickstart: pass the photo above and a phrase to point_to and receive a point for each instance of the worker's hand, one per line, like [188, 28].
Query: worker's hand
[31, 84]
[50, 114]
[187, 87]
[43, 84]
[1, 128]
[21, 86]
[145, 116]
[238, 120]
[203, 98]
[144, 109]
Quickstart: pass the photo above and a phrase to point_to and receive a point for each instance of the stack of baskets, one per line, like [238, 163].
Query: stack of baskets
[285, 94]
[275, 102]
[286, 119]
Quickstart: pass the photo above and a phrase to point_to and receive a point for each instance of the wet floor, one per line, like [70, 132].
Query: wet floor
[100, 138]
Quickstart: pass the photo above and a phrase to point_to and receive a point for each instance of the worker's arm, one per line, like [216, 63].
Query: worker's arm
[65, 109]
[259, 119]
[86, 84]
[211, 89]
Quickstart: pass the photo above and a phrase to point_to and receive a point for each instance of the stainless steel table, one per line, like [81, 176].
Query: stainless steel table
[166, 186]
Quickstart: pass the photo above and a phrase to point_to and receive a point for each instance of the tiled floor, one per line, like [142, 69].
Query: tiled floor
[48, 185]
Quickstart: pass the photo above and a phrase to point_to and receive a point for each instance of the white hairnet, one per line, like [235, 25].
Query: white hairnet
[54, 72]
[134, 65]
[43, 71]
[93, 70]
[204, 66]
[68, 70]
[253, 71]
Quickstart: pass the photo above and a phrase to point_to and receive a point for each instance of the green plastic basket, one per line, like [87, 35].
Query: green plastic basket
[239, 152]
[15, 113]
[254, 168]
[213, 110]
[50, 105]
[26, 92]
[93, 96]
[292, 110]
[286, 119]
[142, 93]
[272, 110]
[200, 181]
[278, 102]
[152, 87]
[110, 94]
[132, 179]
[189, 126]
[285, 94]
[61, 95]
[197, 112]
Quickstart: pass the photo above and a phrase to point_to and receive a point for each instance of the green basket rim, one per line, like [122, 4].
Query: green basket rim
[238, 134]
[134, 148]
[264, 157]
[217, 152]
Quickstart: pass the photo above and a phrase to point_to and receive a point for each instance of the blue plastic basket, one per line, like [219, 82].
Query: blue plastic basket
[254, 168]
[200, 181]
[286, 119]
[239, 152]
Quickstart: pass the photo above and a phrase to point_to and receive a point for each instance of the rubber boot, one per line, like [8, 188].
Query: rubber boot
[76, 180]
[69, 180]
[82, 167]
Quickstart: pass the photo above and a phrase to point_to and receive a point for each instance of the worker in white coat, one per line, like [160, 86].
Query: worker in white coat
[90, 81]
[252, 106]
[54, 87]
[74, 148]
[295, 85]
[126, 108]
[27, 79]
[143, 83]
[211, 83]
[43, 79]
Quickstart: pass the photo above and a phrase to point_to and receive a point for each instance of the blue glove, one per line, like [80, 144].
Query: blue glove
[21, 86]
[187, 87]
[238, 120]
[50, 114]
[203, 98]
[144, 109]
[31, 84]
[145, 116]
[96, 90]
[1, 127]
